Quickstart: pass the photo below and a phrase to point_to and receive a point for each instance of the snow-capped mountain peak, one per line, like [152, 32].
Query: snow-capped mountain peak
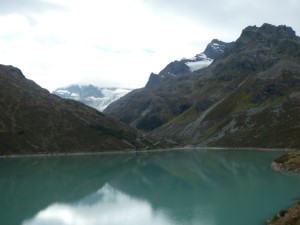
[213, 51]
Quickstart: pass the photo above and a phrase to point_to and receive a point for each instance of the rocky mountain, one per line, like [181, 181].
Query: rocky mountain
[96, 97]
[34, 121]
[213, 51]
[249, 96]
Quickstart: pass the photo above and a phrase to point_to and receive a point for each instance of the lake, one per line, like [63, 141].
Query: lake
[178, 187]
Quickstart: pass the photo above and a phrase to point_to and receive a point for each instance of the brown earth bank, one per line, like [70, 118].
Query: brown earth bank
[288, 162]
[287, 217]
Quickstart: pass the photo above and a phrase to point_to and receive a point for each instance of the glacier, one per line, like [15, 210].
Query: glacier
[96, 97]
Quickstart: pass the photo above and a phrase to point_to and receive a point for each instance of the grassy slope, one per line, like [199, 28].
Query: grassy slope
[270, 121]
[269, 116]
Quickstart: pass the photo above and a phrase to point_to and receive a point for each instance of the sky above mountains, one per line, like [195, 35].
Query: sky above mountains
[119, 43]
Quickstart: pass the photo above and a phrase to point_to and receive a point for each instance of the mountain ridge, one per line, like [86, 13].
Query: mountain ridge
[245, 98]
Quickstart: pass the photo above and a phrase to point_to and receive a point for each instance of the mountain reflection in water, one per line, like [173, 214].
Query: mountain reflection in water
[221, 187]
[107, 206]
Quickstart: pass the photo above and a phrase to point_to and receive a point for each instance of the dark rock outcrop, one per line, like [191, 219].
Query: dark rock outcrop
[173, 69]
[216, 48]
[154, 79]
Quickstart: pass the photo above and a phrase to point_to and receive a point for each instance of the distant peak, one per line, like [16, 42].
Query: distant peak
[12, 70]
[269, 29]
[283, 29]
[250, 29]
[216, 48]
[217, 41]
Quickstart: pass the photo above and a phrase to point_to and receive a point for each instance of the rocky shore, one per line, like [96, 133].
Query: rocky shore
[289, 162]
[287, 217]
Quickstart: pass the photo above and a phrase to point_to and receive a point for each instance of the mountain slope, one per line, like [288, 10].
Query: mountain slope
[34, 121]
[249, 96]
[167, 94]
[98, 98]
[262, 107]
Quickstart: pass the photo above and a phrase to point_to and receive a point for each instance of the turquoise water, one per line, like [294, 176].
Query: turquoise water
[159, 188]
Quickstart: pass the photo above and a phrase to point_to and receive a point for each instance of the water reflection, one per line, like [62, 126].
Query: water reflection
[160, 188]
[108, 206]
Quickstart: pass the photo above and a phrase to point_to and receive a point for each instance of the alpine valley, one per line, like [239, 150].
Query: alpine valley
[242, 94]
[34, 121]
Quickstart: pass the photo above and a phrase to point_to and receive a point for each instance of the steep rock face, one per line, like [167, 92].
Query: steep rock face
[247, 97]
[216, 48]
[96, 97]
[34, 121]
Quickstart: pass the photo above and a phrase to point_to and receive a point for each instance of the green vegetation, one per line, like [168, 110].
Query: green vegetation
[217, 127]
[120, 134]
[189, 115]
[244, 101]
[149, 123]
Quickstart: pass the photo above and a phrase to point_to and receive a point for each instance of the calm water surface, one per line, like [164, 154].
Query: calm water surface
[159, 188]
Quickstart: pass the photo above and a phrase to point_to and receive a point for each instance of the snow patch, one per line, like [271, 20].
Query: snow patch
[74, 95]
[92, 99]
[199, 64]
[66, 92]
[217, 47]
[110, 95]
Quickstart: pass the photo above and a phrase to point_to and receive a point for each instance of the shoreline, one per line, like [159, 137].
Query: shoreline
[185, 148]
[295, 207]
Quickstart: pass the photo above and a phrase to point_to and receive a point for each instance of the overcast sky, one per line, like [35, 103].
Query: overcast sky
[120, 42]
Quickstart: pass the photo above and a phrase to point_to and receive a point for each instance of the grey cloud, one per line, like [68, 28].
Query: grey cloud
[27, 7]
[232, 15]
